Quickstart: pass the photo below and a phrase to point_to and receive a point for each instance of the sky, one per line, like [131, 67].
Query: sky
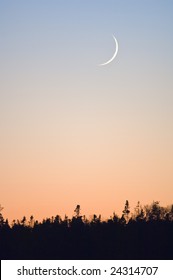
[72, 132]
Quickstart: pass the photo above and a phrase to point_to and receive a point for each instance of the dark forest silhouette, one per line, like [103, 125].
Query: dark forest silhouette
[145, 234]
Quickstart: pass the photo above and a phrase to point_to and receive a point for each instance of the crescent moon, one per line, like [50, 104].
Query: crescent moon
[115, 53]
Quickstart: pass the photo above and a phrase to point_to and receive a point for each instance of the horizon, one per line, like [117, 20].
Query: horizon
[90, 215]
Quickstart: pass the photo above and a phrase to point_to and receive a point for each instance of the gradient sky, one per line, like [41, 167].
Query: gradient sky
[72, 132]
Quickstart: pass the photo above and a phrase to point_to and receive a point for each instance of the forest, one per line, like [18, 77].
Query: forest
[147, 233]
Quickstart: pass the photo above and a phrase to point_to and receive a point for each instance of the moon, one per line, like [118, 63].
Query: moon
[115, 53]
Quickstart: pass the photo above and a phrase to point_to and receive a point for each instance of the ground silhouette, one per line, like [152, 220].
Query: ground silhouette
[145, 234]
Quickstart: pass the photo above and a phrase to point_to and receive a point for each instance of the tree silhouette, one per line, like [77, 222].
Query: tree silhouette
[139, 212]
[155, 212]
[126, 212]
[1, 217]
[145, 234]
[77, 211]
[23, 221]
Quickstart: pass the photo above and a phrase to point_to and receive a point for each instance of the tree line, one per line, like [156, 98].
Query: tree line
[146, 233]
